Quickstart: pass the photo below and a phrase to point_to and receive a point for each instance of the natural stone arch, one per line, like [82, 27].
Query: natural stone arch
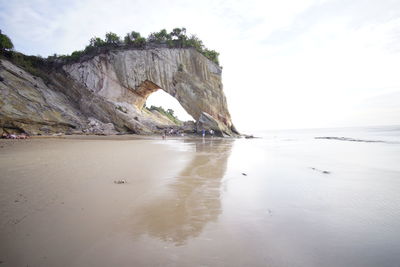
[130, 76]
[144, 90]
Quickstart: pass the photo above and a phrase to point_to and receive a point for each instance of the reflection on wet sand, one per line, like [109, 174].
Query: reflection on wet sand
[192, 199]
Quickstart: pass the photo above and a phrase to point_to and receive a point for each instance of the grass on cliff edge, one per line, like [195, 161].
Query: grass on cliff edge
[177, 38]
[169, 113]
[35, 65]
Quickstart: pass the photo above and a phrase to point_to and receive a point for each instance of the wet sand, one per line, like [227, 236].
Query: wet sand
[195, 202]
[60, 205]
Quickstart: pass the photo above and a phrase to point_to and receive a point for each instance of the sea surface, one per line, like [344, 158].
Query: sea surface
[316, 197]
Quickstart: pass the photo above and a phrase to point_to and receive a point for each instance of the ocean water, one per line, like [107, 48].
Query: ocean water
[316, 197]
[290, 198]
[387, 134]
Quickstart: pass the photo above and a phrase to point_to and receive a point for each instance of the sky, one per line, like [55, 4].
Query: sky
[286, 64]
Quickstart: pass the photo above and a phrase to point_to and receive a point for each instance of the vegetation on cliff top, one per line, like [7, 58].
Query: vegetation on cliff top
[177, 38]
[36, 65]
[39, 66]
[5, 43]
[169, 113]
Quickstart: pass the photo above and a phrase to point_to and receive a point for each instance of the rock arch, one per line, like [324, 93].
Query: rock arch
[130, 76]
[144, 90]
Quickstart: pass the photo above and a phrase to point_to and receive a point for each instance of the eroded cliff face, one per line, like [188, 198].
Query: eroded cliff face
[130, 76]
[106, 93]
[28, 105]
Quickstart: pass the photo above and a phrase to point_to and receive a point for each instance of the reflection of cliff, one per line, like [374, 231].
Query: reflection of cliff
[193, 199]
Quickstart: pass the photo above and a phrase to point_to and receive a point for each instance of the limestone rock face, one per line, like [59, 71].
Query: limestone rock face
[207, 122]
[98, 127]
[28, 105]
[130, 76]
[105, 94]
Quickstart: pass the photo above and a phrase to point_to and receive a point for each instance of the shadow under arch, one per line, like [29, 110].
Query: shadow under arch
[192, 200]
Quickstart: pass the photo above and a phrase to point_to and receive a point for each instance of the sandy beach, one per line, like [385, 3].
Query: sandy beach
[198, 202]
[61, 205]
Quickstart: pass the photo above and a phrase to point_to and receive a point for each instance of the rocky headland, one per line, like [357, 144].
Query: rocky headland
[105, 93]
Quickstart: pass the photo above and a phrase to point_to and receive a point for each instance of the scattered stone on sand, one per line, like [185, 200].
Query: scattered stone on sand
[321, 171]
[100, 128]
[14, 136]
[120, 182]
[20, 198]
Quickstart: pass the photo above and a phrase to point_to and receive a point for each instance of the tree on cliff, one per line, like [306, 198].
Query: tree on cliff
[178, 33]
[195, 42]
[170, 111]
[134, 39]
[96, 42]
[161, 36]
[5, 42]
[212, 55]
[131, 37]
[112, 38]
[177, 38]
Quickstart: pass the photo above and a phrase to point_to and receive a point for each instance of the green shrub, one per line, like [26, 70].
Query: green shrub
[5, 42]
[35, 65]
[169, 113]
[112, 39]
[140, 42]
[97, 42]
[177, 38]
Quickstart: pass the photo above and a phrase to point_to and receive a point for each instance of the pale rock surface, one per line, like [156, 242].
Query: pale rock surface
[130, 76]
[98, 127]
[27, 104]
[207, 122]
[105, 94]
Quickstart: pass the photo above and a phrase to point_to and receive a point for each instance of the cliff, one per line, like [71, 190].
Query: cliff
[105, 93]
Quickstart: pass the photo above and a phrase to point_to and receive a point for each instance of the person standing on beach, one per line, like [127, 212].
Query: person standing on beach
[203, 132]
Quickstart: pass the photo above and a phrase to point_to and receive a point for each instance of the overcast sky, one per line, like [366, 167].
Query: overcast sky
[286, 63]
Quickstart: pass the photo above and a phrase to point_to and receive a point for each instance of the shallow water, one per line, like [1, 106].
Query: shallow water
[304, 217]
[247, 202]
[267, 202]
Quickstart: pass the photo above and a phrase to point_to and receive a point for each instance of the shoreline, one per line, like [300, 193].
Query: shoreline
[123, 137]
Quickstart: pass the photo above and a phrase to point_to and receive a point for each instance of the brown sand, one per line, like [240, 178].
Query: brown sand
[60, 205]
[195, 202]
